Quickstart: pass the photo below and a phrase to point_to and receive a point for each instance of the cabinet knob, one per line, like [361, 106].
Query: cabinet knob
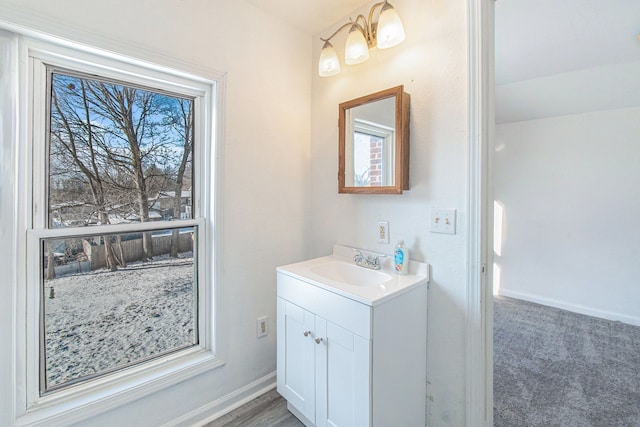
[318, 340]
[306, 333]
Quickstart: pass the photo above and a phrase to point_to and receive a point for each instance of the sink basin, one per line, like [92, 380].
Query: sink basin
[337, 273]
[350, 274]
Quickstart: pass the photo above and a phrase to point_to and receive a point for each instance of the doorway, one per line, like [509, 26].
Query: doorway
[567, 94]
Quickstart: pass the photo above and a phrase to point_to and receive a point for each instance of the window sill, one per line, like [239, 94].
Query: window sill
[80, 402]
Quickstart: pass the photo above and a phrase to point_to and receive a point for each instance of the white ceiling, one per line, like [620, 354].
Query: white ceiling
[536, 38]
[312, 16]
[552, 57]
[555, 58]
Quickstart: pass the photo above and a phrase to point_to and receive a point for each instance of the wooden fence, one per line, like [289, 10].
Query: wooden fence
[132, 249]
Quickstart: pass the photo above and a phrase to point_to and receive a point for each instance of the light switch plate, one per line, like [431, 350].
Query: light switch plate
[383, 232]
[443, 221]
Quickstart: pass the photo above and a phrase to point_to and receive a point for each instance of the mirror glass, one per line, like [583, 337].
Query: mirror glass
[370, 149]
[374, 143]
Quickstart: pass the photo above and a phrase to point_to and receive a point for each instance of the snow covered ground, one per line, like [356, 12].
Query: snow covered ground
[102, 320]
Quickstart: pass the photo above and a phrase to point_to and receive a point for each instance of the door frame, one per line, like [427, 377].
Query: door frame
[479, 325]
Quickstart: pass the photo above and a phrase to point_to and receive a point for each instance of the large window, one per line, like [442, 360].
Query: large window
[119, 270]
[117, 154]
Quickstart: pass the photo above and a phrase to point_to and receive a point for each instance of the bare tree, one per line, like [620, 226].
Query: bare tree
[132, 112]
[182, 119]
[120, 144]
[73, 132]
[51, 266]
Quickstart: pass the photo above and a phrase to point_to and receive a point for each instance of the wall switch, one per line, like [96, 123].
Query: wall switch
[262, 327]
[383, 232]
[443, 221]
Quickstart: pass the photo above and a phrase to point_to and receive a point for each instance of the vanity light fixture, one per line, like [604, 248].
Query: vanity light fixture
[363, 35]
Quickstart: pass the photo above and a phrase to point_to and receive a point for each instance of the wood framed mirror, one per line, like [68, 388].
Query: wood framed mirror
[373, 148]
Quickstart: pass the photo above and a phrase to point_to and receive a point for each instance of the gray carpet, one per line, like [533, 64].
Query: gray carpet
[557, 368]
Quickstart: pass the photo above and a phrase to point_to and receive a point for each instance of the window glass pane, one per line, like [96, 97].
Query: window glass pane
[368, 159]
[117, 154]
[96, 320]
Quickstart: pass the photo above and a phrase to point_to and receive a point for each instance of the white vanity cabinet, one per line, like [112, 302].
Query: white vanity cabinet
[324, 365]
[343, 362]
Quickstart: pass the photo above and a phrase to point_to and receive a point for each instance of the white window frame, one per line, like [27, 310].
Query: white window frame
[77, 402]
[388, 134]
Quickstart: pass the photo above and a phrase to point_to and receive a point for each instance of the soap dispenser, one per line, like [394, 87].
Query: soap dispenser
[401, 258]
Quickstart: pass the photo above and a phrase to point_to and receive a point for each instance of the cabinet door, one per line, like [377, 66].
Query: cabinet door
[343, 381]
[295, 357]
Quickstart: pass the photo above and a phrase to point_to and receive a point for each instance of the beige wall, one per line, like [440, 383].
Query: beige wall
[280, 163]
[568, 190]
[266, 157]
[432, 66]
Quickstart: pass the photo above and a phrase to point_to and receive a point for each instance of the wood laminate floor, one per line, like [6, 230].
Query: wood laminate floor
[268, 410]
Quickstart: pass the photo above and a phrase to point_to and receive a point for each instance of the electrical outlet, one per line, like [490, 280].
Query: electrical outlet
[443, 221]
[383, 232]
[262, 327]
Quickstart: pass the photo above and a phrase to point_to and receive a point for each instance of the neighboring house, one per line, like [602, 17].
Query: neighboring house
[78, 213]
[129, 217]
[72, 213]
[163, 204]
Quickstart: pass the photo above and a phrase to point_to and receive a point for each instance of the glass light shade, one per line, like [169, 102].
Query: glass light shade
[390, 29]
[356, 50]
[329, 64]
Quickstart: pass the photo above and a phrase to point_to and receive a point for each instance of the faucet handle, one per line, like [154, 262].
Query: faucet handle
[368, 261]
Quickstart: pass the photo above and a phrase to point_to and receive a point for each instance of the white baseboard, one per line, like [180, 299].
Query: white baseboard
[603, 314]
[219, 407]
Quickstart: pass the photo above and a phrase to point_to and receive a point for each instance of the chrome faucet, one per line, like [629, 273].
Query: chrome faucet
[365, 261]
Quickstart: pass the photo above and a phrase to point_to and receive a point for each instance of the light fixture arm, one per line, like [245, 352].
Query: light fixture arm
[348, 24]
[372, 27]
[363, 36]
[368, 27]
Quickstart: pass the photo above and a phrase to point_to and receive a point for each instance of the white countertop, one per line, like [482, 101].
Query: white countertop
[370, 294]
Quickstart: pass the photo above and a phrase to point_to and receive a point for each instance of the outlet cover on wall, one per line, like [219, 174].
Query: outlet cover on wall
[443, 221]
[383, 232]
[262, 327]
